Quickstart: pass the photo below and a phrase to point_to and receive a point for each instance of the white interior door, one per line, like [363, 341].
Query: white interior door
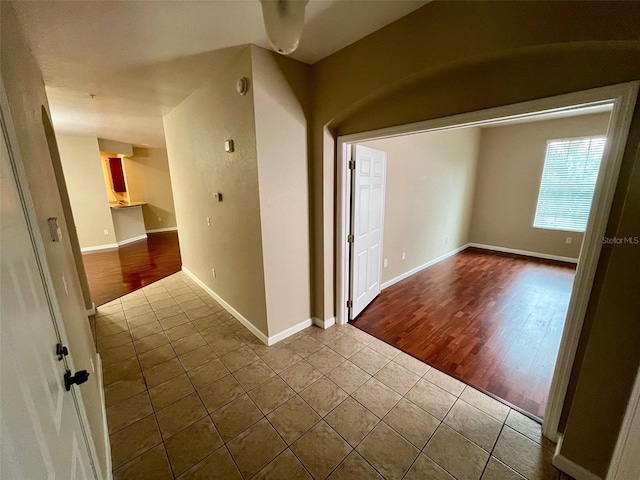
[40, 432]
[367, 219]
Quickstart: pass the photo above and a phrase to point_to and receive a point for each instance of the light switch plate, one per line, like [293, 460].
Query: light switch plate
[217, 197]
[228, 146]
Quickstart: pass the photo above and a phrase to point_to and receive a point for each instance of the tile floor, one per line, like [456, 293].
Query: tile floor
[192, 394]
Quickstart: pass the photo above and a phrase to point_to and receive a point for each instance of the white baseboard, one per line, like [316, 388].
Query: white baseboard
[91, 311]
[252, 328]
[524, 252]
[108, 246]
[324, 323]
[272, 340]
[568, 466]
[419, 268]
[159, 230]
[131, 240]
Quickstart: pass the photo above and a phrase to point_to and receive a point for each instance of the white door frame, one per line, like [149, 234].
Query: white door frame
[41, 256]
[623, 97]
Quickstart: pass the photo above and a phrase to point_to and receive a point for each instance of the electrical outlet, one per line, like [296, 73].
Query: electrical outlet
[106, 232]
[213, 271]
[404, 255]
[386, 263]
[208, 221]
[569, 240]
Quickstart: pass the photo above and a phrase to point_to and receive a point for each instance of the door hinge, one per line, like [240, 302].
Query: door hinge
[349, 303]
[61, 351]
[352, 164]
[350, 238]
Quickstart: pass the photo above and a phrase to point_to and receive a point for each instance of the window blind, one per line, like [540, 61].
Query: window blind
[568, 182]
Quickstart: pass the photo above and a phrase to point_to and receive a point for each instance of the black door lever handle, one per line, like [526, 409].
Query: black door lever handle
[79, 378]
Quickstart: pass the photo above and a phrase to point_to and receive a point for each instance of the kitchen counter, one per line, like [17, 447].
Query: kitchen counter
[126, 205]
[128, 222]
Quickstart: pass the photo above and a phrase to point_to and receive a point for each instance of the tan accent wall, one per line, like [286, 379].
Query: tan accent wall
[195, 133]
[280, 87]
[148, 180]
[26, 95]
[87, 192]
[510, 168]
[448, 58]
[429, 196]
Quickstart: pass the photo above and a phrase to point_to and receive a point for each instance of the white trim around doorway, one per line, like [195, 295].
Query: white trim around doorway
[623, 97]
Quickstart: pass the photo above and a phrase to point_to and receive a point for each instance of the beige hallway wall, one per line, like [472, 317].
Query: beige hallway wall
[429, 196]
[510, 165]
[148, 180]
[87, 191]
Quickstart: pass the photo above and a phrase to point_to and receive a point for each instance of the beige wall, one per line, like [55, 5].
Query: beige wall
[280, 87]
[195, 133]
[509, 171]
[148, 181]
[449, 58]
[429, 196]
[26, 95]
[87, 192]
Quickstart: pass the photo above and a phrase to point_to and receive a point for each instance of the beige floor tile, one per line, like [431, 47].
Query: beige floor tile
[191, 304]
[131, 312]
[369, 360]
[356, 333]
[134, 301]
[477, 426]
[300, 375]
[239, 358]
[142, 321]
[324, 335]
[293, 418]
[271, 394]
[217, 466]
[171, 391]
[156, 356]
[431, 398]
[279, 359]
[325, 359]
[483, 402]
[225, 345]
[163, 372]
[253, 375]
[426, 469]
[180, 415]
[444, 381]
[134, 440]
[496, 470]
[117, 354]
[174, 320]
[150, 342]
[168, 312]
[305, 345]
[205, 323]
[128, 369]
[165, 302]
[377, 397]
[285, 467]
[197, 357]
[397, 378]
[119, 391]
[323, 396]
[138, 333]
[153, 464]
[348, 376]
[384, 349]
[524, 455]
[192, 444]
[110, 317]
[388, 452]
[321, 450]
[354, 467]
[188, 343]
[529, 428]
[220, 392]
[106, 329]
[457, 455]
[345, 345]
[256, 447]
[352, 421]
[207, 373]
[198, 312]
[412, 422]
[181, 331]
[412, 364]
[128, 412]
[235, 417]
[105, 343]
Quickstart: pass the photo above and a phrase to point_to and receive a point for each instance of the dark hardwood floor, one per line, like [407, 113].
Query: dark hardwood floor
[115, 273]
[492, 320]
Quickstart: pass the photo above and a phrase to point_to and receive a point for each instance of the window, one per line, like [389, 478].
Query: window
[568, 181]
